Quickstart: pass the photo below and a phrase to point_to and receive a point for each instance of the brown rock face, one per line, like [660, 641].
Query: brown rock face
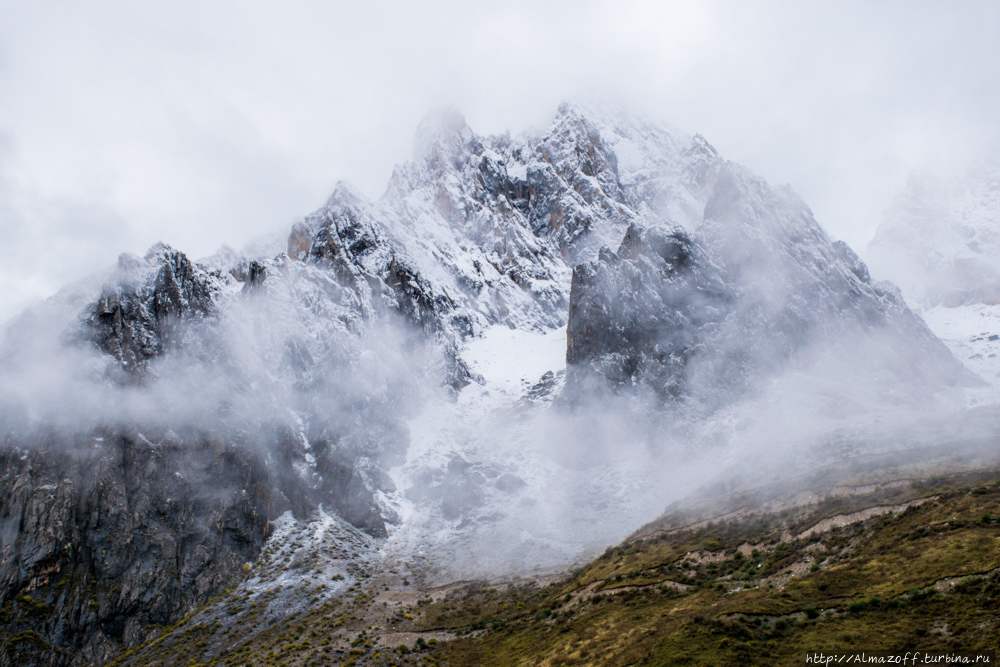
[299, 241]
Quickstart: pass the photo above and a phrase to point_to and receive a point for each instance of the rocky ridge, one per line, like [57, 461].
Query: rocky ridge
[707, 314]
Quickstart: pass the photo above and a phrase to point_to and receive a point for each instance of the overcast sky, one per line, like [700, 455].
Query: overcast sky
[202, 123]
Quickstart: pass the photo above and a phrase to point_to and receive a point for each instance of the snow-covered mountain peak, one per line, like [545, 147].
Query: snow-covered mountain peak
[442, 134]
[940, 241]
[940, 238]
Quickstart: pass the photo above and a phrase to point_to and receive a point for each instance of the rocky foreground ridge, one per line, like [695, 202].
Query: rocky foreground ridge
[152, 440]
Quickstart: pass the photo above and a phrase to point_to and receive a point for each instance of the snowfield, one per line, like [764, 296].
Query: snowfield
[972, 333]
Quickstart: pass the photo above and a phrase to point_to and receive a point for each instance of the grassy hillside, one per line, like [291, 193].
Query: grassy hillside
[904, 565]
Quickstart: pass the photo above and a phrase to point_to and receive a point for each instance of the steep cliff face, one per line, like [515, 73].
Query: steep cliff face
[106, 538]
[636, 316]
[756, 286]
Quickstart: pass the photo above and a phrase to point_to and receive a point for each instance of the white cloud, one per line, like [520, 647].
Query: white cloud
[202, 123]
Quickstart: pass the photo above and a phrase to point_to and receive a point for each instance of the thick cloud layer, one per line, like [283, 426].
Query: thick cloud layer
[205, 123]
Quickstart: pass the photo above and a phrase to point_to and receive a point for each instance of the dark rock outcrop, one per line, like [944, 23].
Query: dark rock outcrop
[637, 316]
[103, 541]
[706, 317]
[256, 276]
[140, 314]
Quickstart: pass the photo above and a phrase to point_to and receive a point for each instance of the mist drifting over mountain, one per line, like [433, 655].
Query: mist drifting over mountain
[277, 344]
[523, 350]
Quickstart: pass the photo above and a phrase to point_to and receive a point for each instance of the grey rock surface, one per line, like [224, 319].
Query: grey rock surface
[756, 286]
[105, 540]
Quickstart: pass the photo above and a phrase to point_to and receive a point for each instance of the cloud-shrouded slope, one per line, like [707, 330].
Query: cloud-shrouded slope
[940, 239]
[192, 403]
